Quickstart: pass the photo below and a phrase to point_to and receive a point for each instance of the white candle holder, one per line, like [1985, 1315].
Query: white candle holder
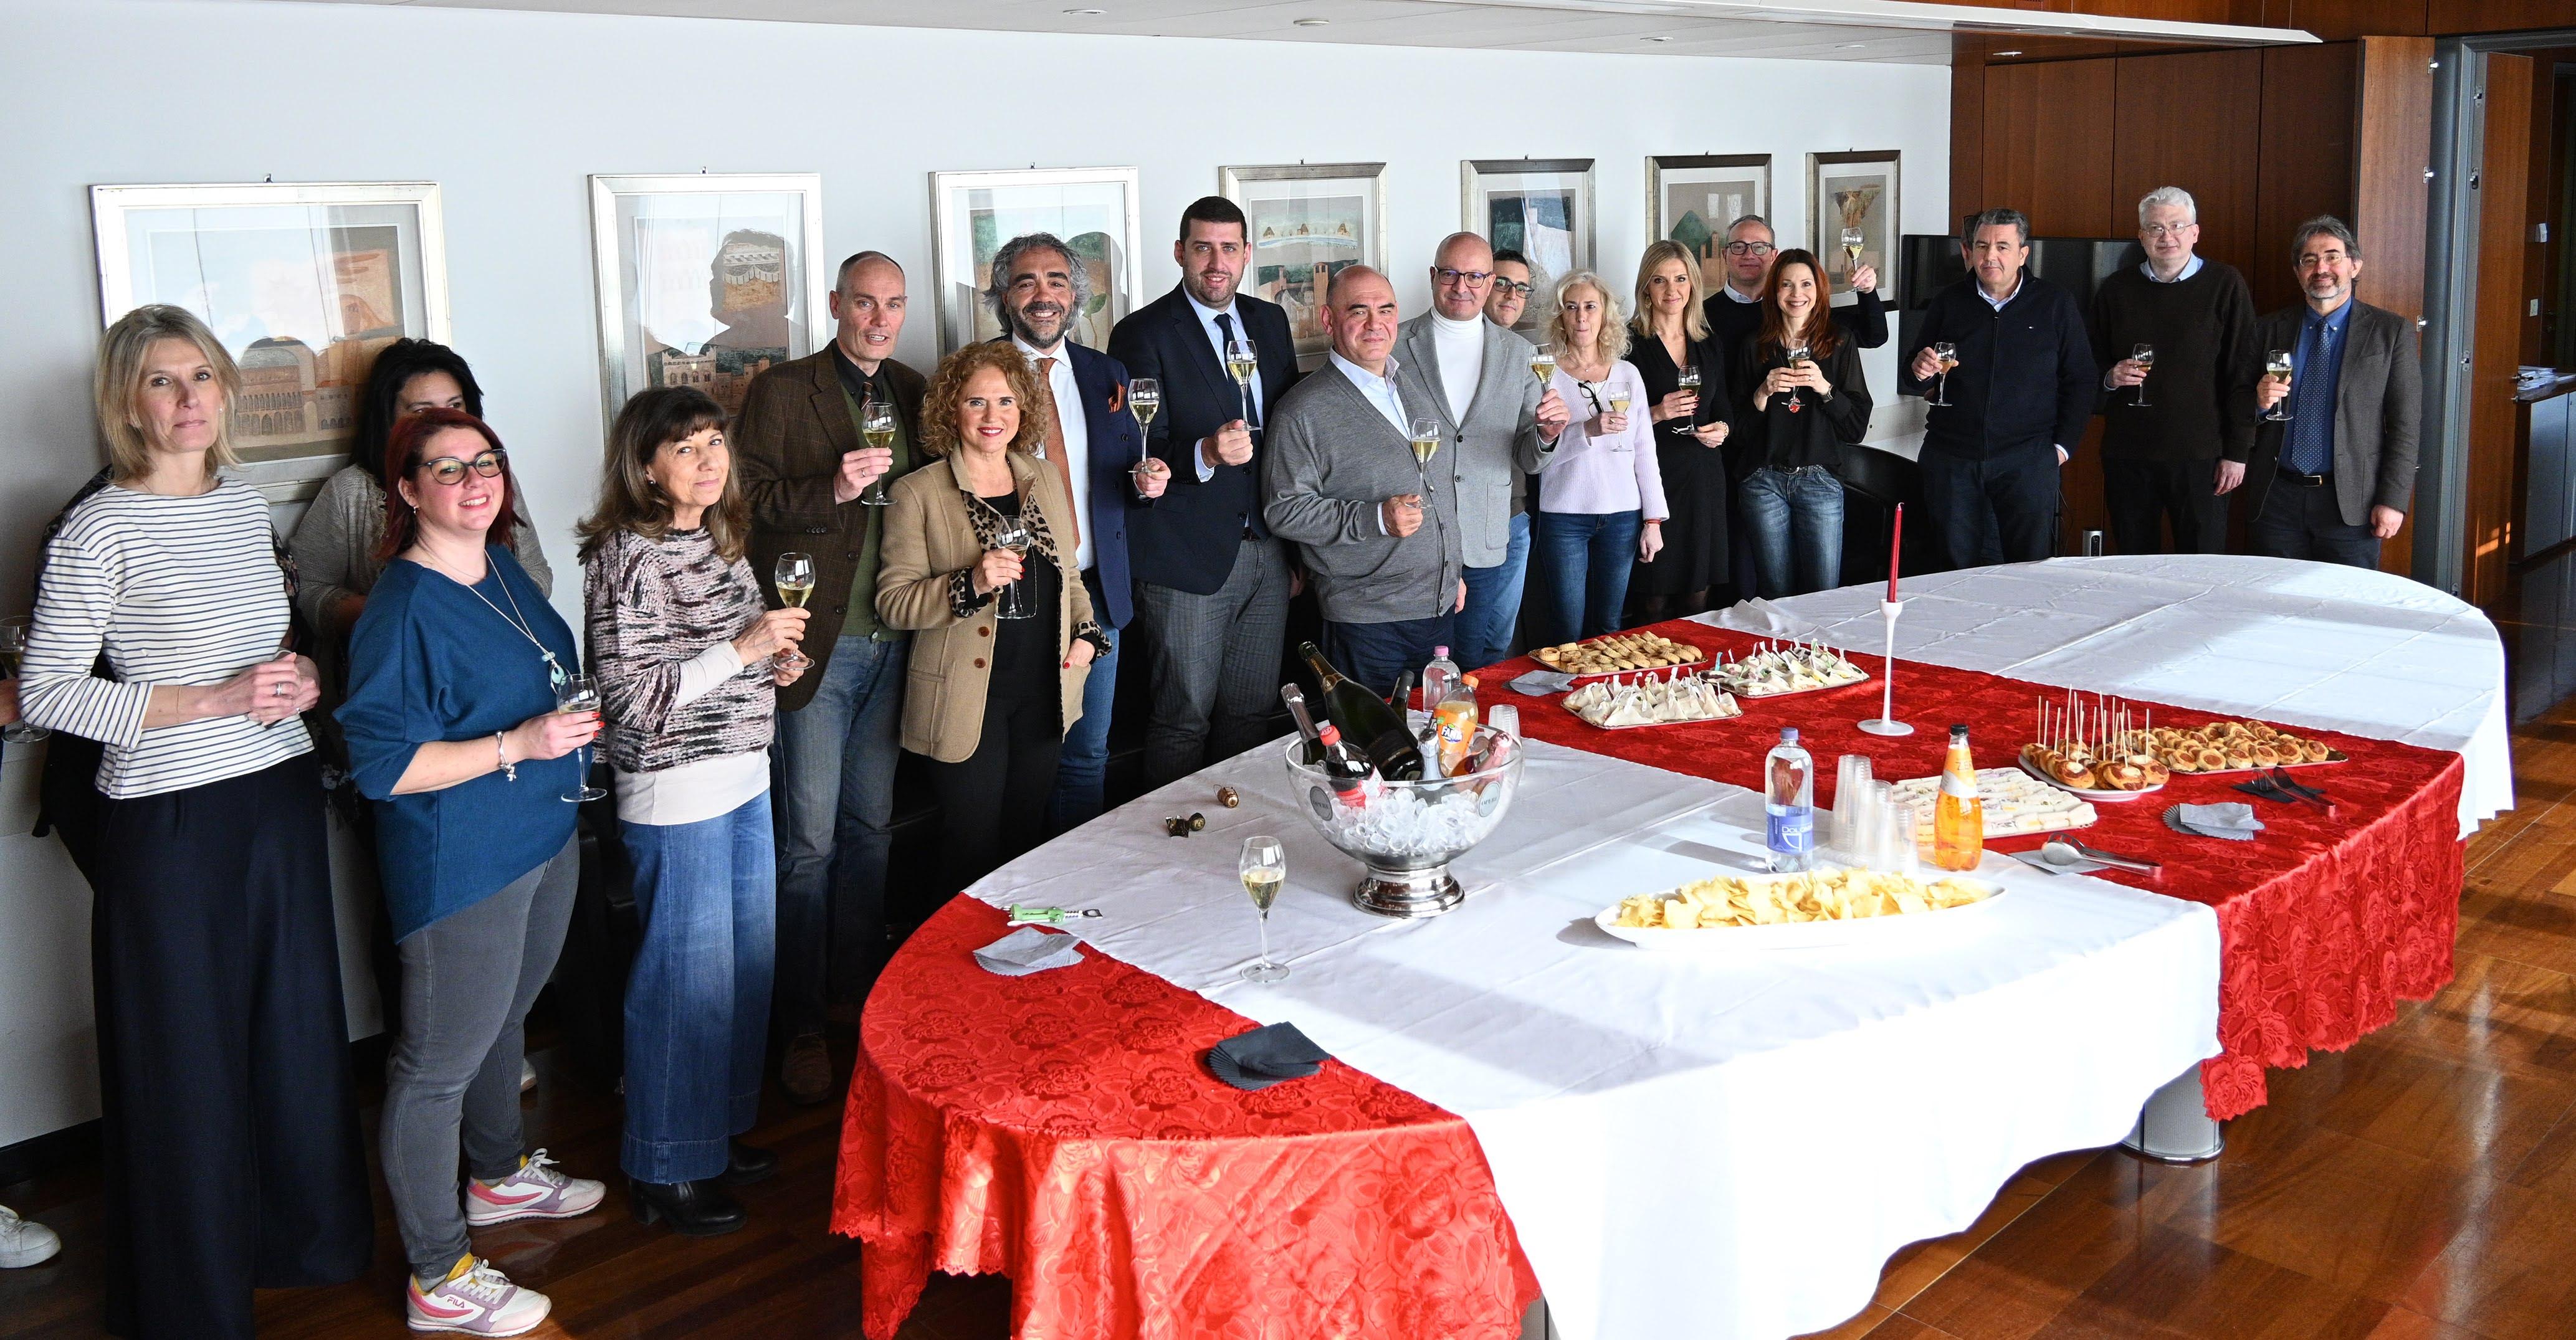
[1885, 723]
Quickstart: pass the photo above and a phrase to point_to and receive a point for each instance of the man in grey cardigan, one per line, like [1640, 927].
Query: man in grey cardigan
[1497, 424]
[1339, 480]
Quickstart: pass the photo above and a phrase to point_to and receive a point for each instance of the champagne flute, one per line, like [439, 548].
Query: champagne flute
[580, 693]
[1144, 399]
[13, 648]
[1853, 241]
[1016, 601]
[794, 576]
[1686, 378]
[1948, 356]
[2277, 366]
[876, 425]
[1616, 397]
[1799, 357]
[1264, 868]
[1543, 363]
[1241, 363]
[2144, 355]
[1426, 443]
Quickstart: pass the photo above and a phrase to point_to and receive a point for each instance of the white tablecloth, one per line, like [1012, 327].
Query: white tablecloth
[2302, 644]
[1701, 1147]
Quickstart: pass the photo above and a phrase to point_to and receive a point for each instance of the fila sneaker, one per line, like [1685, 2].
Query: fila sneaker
[535, 1191]
[475, 1300]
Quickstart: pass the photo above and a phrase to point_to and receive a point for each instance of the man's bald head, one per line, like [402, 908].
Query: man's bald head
[1360, 316]
[1462, 274]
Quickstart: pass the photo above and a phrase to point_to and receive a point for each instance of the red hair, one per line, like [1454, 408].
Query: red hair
[403, 449]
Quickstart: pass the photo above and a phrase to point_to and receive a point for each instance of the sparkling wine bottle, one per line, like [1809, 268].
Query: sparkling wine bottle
[1364, 718]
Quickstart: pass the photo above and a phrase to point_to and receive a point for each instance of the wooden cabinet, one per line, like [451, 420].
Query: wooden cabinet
[2048, 136]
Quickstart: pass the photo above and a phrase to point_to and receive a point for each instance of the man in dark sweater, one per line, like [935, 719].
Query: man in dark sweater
[2022, 385]
[2174, 440]
[1735, 311]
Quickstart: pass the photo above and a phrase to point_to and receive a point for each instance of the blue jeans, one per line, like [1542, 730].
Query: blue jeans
[1796, 518]
[697, 999]
[1485, 627]
[832, 781]
[1082, 764]
[1584, 557]
[1373, 654]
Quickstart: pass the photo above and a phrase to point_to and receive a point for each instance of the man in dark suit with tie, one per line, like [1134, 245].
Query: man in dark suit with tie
[1211, 584]
[1095, 448]
[2336, 478]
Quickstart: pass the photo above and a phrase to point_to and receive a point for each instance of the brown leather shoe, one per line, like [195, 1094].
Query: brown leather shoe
[806, 1074]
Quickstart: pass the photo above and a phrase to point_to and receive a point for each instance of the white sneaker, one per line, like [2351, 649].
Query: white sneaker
[478, 1301]
[535, 1191]
[23, 1243]
[527, 1075]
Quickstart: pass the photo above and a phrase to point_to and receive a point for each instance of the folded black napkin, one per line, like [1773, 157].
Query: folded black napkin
[1266, 1056]
[1029, 950]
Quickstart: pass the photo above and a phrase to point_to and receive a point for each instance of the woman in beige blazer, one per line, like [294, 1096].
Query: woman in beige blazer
[988, 698]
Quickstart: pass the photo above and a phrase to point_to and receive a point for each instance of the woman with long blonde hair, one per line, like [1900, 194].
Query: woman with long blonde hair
[1673, 345]
[1601, 502]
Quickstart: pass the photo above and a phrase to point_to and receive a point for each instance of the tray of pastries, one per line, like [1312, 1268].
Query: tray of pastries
[1619, 653]
[1651, 700]
[1773, 670]
[2014, 802]
[1818, 907]
[2094, 748]
[2235, 746]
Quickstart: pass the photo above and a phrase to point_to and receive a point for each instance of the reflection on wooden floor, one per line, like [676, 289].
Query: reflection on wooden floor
[2420, 1187]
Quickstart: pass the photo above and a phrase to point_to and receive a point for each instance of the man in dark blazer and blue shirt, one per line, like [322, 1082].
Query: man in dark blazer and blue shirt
[1093, 443]
[2020, 396]
[1211, 583]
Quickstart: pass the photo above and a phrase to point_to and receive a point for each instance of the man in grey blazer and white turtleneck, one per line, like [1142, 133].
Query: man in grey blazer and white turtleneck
[1498, 423]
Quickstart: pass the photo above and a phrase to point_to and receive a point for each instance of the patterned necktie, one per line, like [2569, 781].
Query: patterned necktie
[1251, 402]
[2309, 449]
[1053, 445]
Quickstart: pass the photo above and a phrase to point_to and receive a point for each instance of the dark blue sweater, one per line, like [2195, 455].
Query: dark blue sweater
[2026, 374]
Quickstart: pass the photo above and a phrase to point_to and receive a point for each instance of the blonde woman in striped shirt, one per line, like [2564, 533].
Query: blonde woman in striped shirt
[231, 1136]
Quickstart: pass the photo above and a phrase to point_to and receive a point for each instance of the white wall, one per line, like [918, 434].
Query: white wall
[510, 111]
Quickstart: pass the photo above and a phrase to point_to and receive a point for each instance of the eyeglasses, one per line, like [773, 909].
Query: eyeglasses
[1749, 248]
[2159, 230]
[447, 470]
[1448, 276]
[1508, 287]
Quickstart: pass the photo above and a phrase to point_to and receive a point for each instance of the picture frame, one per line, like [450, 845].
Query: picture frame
[1857, 190]
[705, 279]
[1541, 207]
[1692, 198]
[1093, 209]
[1304, 221]
[303, 282]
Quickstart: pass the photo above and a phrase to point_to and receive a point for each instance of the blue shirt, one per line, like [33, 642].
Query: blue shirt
[2190, 268]
[2307, 447]
[430, 661]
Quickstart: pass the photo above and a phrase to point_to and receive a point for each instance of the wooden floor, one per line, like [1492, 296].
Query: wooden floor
[2420, 1186]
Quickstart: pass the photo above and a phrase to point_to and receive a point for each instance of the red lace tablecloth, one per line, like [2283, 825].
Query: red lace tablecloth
[2325, 922]
[1059, 1129]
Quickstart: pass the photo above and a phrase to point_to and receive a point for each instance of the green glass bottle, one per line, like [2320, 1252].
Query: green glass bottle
[1366, 720]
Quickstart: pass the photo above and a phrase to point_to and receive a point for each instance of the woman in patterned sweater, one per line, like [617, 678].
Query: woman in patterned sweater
[688, 663]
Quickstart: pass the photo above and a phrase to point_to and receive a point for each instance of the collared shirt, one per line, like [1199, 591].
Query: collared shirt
[2190, 267]
[1077, 435]
[1748, 299]
[2315, 368]
[1216, 340]
[1380, 392]
[1999, 303]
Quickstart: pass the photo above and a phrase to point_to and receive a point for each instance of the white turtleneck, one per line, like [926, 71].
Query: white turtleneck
[1461, 347]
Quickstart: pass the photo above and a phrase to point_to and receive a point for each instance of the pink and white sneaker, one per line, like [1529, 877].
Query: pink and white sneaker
[477, 1300]
[535, 1191]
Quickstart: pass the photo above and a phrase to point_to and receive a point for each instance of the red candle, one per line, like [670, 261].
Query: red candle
[1895, 550]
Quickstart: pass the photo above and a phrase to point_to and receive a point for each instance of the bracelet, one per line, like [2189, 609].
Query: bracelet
[508, 768]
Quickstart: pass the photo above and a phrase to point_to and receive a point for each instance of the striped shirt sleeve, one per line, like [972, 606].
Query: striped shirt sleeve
[75, 604]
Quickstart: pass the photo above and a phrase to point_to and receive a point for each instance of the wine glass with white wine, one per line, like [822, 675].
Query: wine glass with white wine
[1264, 869]
[1543, 363]
[1947, 355]
[1853, 241]
[876, 426]
[1426, 444]
[1799, 358]
[2277, 367]
[2144, 355]
[1241, 362]
[580, 693]
[1018, 600]
[794, 576]
[1144, 400]
[1686, 378]
[13, 648]
[1615, 396]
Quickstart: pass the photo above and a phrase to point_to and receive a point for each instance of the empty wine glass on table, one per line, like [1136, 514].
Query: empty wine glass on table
[1240, 364]
[1947, 354]
[1543, 362]
[580, 693]
[1016, 601]
[1426, 443]
[2277, 367]
[2144, 355]
[1264, 869]
[794, 576]
[13, 647]
[876, 426]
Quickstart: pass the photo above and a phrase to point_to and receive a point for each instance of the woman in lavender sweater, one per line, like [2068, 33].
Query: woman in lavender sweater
[688, 663]
[1601, 501]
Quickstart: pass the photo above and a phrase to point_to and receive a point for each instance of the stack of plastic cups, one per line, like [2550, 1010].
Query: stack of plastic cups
[1896, 851]
[1851, 795]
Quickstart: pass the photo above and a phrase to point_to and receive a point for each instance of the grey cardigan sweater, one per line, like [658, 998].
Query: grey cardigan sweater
[1498, 442]
[1329, 460]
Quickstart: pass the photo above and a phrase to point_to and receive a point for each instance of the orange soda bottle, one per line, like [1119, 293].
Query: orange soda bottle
[1454, 717]
[1958, 817]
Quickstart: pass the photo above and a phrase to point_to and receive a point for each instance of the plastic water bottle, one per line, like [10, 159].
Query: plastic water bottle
[1789, 804]
[1438, 679]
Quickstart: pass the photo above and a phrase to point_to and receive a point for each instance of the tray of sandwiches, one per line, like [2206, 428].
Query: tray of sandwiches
[1772, 670]
[1651, 700]
[1620, 653]
[2094, 749]
[2236, 746]
[2014, 803]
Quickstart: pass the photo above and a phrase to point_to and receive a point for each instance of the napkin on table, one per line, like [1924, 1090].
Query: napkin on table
[1540, 683]
[1029, 950]
[1265, 1056]
[2232, 820]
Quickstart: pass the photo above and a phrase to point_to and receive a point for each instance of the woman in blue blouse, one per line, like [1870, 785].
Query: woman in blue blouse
[453, 732]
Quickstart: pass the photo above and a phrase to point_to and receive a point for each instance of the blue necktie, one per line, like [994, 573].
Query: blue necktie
[2308, 448]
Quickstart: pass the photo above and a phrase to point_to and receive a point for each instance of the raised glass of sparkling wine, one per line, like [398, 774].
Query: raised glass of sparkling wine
[1241, 362]
[580, 693]
[13, 647]
[1144, 400]
[1853, 239]
[1426, 444]
[794, 576]
[1799, 358]
[2145, 357]
[876, 426]
[1543, 362]
[2276, 365]
[1686, 378]
[1948, 355]
[1264, 868]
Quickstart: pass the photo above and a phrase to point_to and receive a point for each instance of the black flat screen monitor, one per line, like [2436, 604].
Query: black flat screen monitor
[2076, 264]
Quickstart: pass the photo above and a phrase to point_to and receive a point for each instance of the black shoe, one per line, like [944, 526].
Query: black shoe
[694, 1209]
[746, 1164]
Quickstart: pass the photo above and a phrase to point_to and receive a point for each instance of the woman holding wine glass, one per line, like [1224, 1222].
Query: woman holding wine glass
[1804, 404]
[689, 662]
[1601, 501]
[457, 668]
[1683, 367]
[1003, 630]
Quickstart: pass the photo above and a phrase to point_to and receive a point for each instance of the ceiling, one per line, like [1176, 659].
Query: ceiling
[1859, 30]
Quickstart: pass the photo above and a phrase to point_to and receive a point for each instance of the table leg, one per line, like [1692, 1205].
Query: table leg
[2175, 1125]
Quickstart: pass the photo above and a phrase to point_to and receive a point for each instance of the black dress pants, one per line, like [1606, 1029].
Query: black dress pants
[2305, 521]
[1994, 509]
[2142, 495]
[232, 1157]
[993, 806]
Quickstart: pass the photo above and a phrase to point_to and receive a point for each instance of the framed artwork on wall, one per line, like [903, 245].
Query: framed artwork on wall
[1093, 210]
[1692, 198]
[1852, 216]
[705, 279]
[1307, 220]
[303, 283]
[1540, 207]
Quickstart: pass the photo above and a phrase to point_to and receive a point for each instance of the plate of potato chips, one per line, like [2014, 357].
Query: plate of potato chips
[1818, 907]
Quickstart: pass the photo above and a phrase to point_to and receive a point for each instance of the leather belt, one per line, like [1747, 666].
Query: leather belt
[2289, 476]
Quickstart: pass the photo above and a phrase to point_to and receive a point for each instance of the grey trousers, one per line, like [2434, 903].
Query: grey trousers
[468, 980]
[1214, 661]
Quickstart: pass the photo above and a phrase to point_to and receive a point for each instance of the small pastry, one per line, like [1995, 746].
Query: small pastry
[2314, 751]
[2212, 758]
[2156, 773]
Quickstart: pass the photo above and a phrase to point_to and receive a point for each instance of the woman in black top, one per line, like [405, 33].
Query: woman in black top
[1690, 423]
[1803, 402]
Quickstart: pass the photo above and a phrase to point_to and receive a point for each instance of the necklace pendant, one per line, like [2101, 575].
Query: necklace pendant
[555, 676]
